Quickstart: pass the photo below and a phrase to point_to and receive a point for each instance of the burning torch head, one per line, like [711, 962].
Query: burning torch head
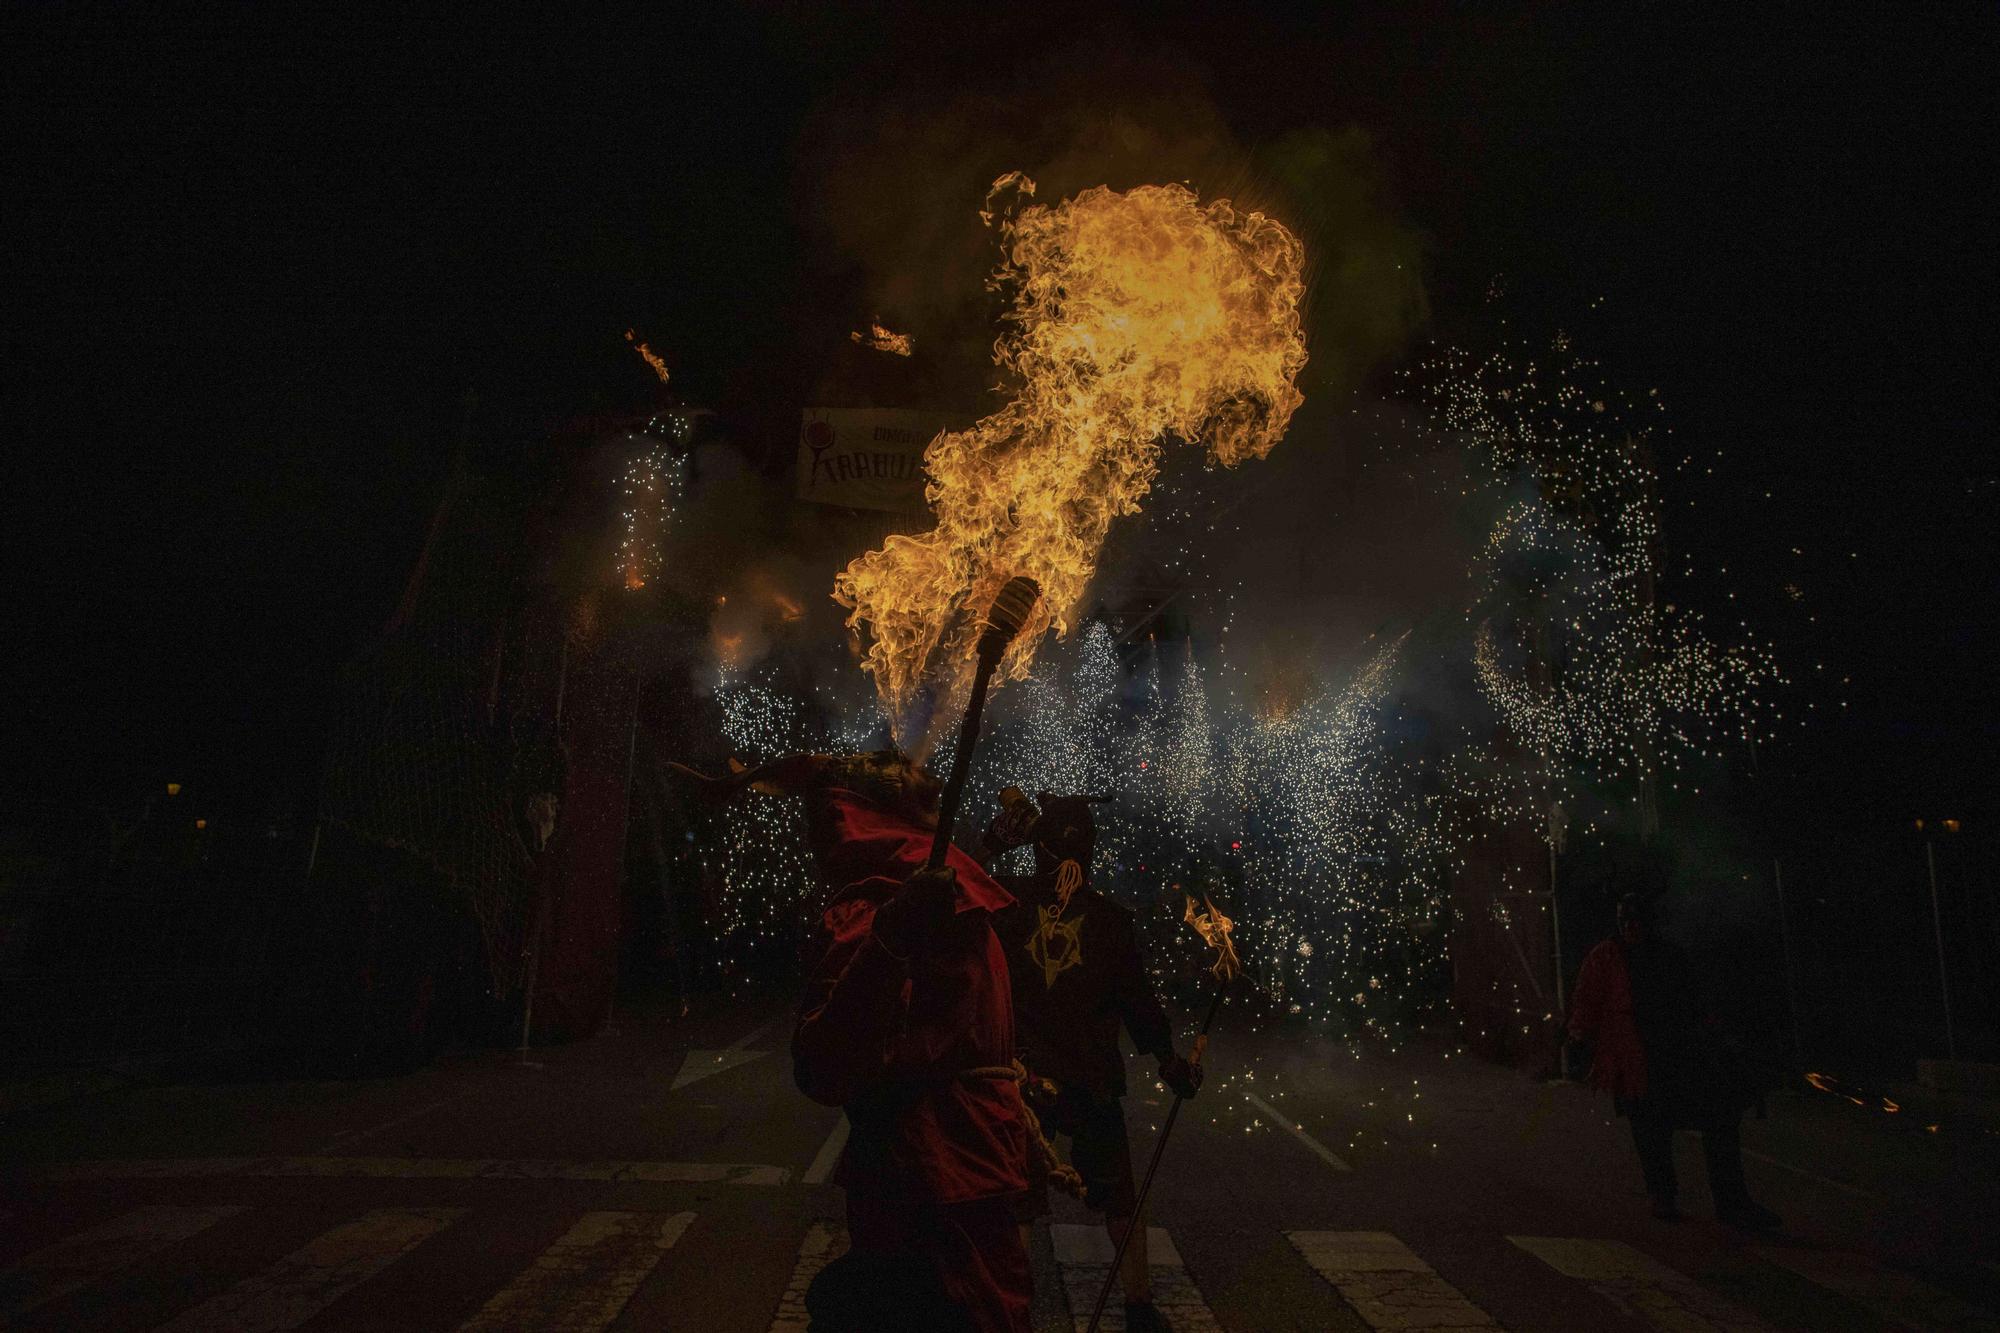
[1010, 610]
[1214, 927]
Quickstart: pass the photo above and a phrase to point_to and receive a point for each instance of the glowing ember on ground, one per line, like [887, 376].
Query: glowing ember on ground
[1827, 1083]
[1135, 316]
[652, 358]
[882, 340]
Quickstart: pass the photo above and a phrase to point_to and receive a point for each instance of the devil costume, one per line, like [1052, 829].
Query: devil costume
[906, 1023]
[1077, 978]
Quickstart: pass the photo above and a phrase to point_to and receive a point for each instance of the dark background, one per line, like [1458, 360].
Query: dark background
[254, 261]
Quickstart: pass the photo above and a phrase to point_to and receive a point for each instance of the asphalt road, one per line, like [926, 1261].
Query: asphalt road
[665, 1175]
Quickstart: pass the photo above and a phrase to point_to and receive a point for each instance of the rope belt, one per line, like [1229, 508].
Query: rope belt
[1060, 1172]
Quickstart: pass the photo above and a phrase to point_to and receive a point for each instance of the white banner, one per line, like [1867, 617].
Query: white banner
[866, 457]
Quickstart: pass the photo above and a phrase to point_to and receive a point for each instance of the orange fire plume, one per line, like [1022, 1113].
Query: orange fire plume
[1214, 928]
[1135, 316]
[882, 340]
[652, 358]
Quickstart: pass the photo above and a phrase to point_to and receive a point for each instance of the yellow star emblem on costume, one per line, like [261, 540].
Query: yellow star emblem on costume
[1056, 945]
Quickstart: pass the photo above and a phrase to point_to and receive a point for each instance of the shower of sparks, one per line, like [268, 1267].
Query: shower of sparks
[879, 339]
[652, 485]
[759, 854]
[1304, 798]
[1596, 678]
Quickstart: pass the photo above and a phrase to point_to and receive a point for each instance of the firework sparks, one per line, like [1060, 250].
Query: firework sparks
[1135, 316]
[652, 485]
[1590, 671]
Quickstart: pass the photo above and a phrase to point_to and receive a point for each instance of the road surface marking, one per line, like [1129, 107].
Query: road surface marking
[1827, 1181]
[1084, 1255]
[1385, 1282]
[828, 1155]
[1898, 1297]
[1644, 1288]
[311, 1278]
[425, 1168]
[1298, 1132]
[706, 1064]
[823, 1244]
[91, 1256]
[752, 1035]
[586, 1278]
[350, 1137]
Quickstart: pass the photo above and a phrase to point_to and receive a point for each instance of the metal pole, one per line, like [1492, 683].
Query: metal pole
[1944, 975]
[562, 680]
[534, 966]
[1152, 1167]
[1791, 976]
[1562, 1004]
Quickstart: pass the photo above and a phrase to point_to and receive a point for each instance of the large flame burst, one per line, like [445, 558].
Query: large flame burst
[1135, 315]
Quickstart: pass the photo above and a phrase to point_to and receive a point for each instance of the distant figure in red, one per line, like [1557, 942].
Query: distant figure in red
[1660, 1055]
[908, 1024]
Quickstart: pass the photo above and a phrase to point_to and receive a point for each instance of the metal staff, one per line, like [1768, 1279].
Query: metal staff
[1213, 927]
[1010, 610]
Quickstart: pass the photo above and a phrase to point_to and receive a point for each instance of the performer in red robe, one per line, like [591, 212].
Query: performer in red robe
[907, 1023]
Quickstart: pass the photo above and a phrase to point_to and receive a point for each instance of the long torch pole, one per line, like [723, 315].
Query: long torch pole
[961, 761]
[1944, 973]
[1159, 1148]
[1004, 618]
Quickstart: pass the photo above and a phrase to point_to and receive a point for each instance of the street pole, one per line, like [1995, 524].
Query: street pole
[1562, 1005]
[1944, 974]
[1791, 977]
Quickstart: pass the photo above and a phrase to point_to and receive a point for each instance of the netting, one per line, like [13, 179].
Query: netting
[426, 752]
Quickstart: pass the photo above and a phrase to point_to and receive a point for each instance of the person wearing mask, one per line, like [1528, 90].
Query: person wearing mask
[1078, 977]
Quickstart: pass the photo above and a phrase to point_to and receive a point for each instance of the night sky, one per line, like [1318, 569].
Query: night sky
[253, 265]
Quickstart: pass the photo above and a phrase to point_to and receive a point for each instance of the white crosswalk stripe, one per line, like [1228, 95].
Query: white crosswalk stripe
[1084, 1254]
[77, 1261]
[1899, 1298]
[1642, 1287]
[588, 1276]
[317, 1274]
[582, 1282]
[425, 1168]
[1385, 1282]
[823, 1244]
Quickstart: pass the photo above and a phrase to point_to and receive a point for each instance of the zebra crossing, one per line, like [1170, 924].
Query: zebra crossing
[585, 1278]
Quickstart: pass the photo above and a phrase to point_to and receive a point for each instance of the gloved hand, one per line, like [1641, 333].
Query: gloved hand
[1181, 1075]
[1012, 826]
[925, 900]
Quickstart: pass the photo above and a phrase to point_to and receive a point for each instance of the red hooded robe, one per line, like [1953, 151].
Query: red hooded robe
[936, 1152]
